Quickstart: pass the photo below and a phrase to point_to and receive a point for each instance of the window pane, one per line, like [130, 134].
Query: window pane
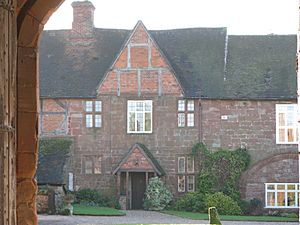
[271, 199]
[190, 164]
[97, 165]
[281, 135]
[280, 199]
[190, 119]
[98, 121]
[140, 122]
[290, 118]
[190, 105]
[181, 104]
[88, 106]
[297, 134]
[181, 119]
[281, 187]
[291, 187]
[131, 121]
[131, 106]
[89, 120]
[281, 119]
[291, 199]
[271, 187]
[147, 121]
[181, 183]
[98, 106]
[148, 106]
[88, 165]
[191, 183]
[139, 106]
[290, 135]
[181, 165]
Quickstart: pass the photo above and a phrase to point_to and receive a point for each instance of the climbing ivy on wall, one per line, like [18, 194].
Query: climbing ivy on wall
[54, 145]
[220, 171]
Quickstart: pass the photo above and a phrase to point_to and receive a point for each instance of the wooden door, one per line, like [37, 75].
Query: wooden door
[138, 187]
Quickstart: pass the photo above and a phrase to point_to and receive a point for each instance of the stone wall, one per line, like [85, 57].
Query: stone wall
[281, 168]
[252, 124]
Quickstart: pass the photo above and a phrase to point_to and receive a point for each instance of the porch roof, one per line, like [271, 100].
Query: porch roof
[155, 166]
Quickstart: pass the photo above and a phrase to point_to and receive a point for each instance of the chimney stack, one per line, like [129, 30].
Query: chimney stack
[83, 19]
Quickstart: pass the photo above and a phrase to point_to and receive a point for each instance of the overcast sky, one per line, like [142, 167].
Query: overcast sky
[239, 16]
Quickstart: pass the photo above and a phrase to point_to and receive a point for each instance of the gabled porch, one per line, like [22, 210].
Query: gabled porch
[133, 174]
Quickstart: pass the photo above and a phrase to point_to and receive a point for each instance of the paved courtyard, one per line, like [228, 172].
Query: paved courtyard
[133, 217]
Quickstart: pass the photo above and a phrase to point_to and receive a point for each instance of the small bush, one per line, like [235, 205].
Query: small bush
[224, 204]
[91, 197]
[157, 196]
[191, 202]
[253, 207]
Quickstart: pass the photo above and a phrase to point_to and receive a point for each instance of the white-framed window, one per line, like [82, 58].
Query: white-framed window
[191, 183]
[286, 124]
[91, 164]
[139, 116]
[282, 195]
[89, 106]
[181, 183]
[98, 120]
[181, 106]
[181, 119]
[190, 120]
[186, 173]
[190, 164]
[88, 120]
[93, 114]
[181, 164]
[98, 106]
[190, 105]
[185, 113]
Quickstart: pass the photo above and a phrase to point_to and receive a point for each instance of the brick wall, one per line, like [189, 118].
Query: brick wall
[249, 124]
[282, 168]
[140, 69]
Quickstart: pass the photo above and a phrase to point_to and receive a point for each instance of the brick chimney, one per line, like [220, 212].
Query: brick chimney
[83, 19]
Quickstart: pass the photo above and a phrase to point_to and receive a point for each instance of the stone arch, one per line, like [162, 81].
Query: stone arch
[23, 22]
[281, 168]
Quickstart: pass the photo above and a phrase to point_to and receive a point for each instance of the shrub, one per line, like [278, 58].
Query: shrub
[157, 196]
[93, 197]
[191, 202]
[224, 204]
[253, 207]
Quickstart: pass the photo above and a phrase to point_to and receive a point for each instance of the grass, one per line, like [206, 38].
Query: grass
[96, 211]
[204, 216]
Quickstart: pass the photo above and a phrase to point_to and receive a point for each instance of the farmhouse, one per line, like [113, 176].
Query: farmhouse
[136, 101]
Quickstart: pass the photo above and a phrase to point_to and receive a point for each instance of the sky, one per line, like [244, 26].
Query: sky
[239, 16]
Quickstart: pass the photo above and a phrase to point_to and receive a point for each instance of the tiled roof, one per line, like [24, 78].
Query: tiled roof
[207, 62]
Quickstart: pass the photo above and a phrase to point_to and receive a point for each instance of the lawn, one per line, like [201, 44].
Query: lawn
[96, 211]
[204, 216]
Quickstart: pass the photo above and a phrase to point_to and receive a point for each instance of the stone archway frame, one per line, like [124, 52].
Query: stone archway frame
[264, 165]
[31, 18]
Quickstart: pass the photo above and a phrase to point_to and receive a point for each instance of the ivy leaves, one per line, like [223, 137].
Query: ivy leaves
[220, 171]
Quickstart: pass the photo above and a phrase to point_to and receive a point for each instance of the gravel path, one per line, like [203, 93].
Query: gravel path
[134, 216]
